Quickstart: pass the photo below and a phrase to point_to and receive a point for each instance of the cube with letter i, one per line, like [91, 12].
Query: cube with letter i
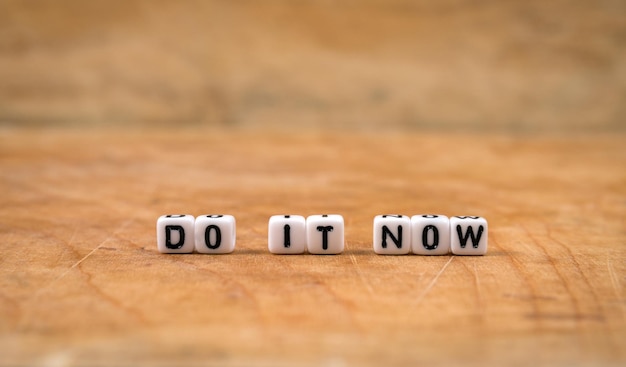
[286, 234]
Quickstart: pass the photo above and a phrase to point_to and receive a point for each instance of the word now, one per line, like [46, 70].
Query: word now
[430, 234]
[394, 234]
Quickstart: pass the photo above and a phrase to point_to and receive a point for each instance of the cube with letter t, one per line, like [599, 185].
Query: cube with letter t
[324, 234]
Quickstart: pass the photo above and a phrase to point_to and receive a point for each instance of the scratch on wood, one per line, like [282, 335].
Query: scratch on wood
[566, 317]
[432, 282]
[123, 226]
[69, 243]
[615, 283]
[590, 289]
[564, 281]
[230, 282]
[520, 268]
[367, 285]
[478, 292]
[36, 295]
[112, 300]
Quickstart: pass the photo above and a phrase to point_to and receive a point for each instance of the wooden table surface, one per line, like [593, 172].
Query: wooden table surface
[81, 281]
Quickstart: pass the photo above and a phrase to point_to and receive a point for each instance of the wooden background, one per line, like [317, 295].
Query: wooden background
[351, 64]
[83, 284]
[114, 113]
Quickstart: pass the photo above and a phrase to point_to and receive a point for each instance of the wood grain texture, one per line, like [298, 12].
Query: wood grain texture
[362, 64]
[81, 282]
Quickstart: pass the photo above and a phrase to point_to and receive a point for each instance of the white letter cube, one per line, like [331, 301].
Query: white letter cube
[324, 234]
[392, 234]
[468, 235]
[430, 234]
[175, 234]
[286, 234]
[215, 234]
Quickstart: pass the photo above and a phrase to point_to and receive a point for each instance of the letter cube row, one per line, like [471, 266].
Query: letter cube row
[317, 234]
[429, 234]
[394, 234]
[207, 234]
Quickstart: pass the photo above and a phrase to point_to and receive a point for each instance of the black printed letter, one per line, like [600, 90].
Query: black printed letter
[397, 241]
[287, 235]
[207, 236]
[469, 233]
[435, 237]
[325, 230]
[168, 237]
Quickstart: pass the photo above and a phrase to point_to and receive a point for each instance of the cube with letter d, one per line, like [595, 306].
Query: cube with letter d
[175, 233]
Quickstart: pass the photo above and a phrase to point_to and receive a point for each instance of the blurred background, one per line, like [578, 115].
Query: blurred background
[362, 65]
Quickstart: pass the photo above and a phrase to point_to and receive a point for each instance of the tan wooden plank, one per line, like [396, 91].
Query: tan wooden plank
[487, 65]
[81, 282]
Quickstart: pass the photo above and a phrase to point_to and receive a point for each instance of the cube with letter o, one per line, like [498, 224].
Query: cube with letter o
[215, 234]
